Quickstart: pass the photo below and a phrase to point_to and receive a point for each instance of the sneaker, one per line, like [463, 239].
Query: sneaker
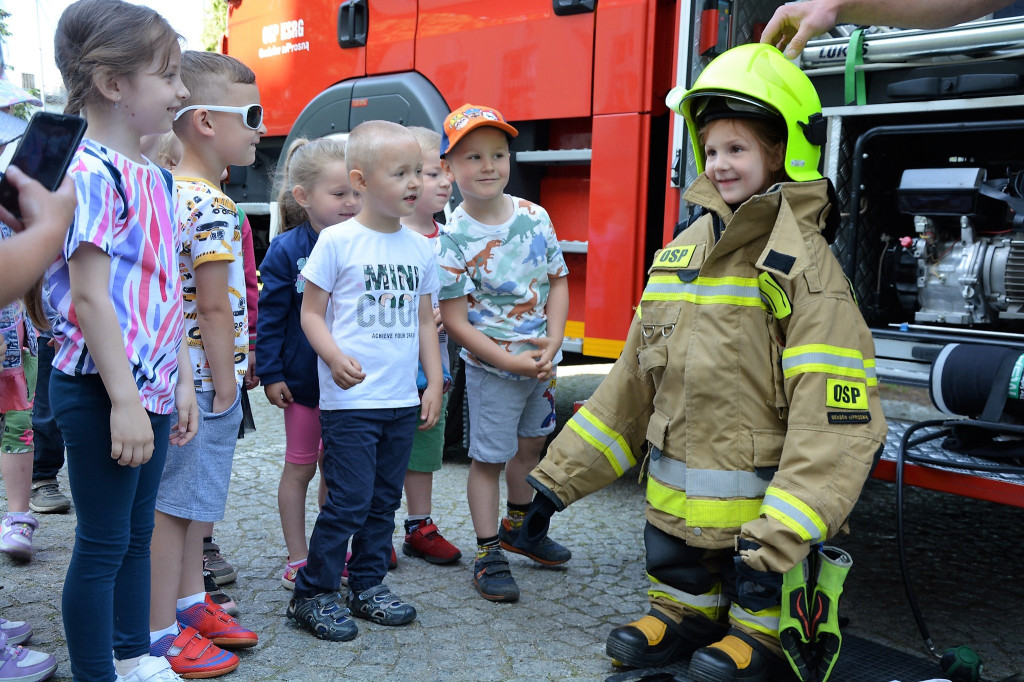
[291, 572]
[215, 563]
[547, 551]
[393, 561]
[380, 605]
[214, 624]
[425, 542]
[493, 579]
[24, 665]
[193, 656]
[16, 534]
[323, 616]
[47, 498]
[218, 596]
[151, 669]
[17, 631]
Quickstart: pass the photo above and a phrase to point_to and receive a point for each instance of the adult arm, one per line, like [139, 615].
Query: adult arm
[131, 435]
[46, 217]
[796, 23]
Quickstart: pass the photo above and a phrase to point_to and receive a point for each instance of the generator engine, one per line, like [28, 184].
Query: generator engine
[964, 266]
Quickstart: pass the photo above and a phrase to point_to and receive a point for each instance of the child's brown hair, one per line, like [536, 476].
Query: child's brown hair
[99, 38]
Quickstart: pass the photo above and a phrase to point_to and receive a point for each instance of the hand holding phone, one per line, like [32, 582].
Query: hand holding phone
[49, 211]
[44, 154]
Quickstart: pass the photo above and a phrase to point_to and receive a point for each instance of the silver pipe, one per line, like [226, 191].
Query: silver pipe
[981, 37]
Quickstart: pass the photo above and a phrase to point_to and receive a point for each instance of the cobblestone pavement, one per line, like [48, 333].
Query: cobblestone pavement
[971, 592]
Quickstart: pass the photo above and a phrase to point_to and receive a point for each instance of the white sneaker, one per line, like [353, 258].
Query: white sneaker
[151, 669]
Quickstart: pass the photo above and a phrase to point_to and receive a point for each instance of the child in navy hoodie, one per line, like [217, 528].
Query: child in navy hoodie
[314, 194]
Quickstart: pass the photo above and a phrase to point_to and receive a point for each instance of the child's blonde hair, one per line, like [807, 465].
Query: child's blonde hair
[100, 38]
[429, 140]
[302, 165]
[366, 141]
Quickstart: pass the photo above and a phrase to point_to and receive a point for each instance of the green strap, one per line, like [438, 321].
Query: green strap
[855, 92]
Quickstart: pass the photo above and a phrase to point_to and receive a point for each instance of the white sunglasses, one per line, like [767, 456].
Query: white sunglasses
[252, 114]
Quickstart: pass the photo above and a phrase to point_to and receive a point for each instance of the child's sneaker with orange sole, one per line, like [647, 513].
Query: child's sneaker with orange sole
[193, 656]
[214, 623]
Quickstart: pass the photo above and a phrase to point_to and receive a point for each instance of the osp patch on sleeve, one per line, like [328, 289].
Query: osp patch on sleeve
[848, 395]
[674, 257]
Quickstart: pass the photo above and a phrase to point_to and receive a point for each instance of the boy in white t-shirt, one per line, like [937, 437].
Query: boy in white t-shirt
[368, 287]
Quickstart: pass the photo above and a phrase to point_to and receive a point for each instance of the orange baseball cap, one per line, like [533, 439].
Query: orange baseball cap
[467, 118]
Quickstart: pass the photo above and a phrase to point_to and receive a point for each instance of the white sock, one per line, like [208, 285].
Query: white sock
[125, 666]
[154, 636]
[191, 600]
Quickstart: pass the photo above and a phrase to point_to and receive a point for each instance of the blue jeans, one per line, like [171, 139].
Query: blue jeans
[366, 453]
[48, 457]
[106, 591]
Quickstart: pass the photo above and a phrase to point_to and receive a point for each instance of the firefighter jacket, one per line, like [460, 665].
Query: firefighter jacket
[749, 372]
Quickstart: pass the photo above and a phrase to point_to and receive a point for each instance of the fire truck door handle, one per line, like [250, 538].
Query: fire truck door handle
[353, 23]
[566, 7]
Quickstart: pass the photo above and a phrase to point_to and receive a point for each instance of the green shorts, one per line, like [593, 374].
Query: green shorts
[428, 446]
[17, 436]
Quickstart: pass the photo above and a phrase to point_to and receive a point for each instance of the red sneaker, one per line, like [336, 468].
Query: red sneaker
[213, 623]
[193, 656]
[425, 542]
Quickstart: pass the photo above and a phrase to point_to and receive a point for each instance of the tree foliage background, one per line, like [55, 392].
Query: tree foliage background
[215, 23]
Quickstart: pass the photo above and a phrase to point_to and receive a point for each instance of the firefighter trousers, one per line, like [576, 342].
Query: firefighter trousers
[698, 585]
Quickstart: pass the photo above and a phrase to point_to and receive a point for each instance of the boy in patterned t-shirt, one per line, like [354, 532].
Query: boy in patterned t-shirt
[504, 299]
[220, 125]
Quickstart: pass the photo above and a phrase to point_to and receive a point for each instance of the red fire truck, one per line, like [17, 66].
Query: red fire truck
[924, 142]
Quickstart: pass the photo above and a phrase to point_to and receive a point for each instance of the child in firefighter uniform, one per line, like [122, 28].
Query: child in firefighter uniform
[749, 374]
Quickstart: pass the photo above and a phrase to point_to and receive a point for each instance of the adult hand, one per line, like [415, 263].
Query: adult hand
[51, 211]
[794, 24]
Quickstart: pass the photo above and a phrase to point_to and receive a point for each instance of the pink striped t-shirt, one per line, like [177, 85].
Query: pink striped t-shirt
[127, 210]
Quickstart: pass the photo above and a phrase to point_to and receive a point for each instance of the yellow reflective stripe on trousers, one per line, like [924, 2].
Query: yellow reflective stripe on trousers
[766, 621]
[740, 291]
[712, 604]
[794, 514]
[608, 442]
[825, 359]
[701, 513]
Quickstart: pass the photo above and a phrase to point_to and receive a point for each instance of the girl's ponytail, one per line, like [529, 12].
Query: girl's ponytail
[303, 163]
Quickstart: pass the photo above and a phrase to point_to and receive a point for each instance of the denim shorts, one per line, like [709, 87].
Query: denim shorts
[196, 476]
[503, 410]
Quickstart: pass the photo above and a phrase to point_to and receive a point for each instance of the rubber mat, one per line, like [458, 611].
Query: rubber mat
[860, 661]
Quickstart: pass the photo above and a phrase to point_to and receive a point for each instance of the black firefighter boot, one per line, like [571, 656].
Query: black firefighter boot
[737, 657]
[656, 640]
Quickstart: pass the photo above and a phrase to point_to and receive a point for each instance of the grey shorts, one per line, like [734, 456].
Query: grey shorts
[196, 476]
[503, 410]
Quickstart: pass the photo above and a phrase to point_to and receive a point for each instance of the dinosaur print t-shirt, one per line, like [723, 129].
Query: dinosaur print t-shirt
[504, 272]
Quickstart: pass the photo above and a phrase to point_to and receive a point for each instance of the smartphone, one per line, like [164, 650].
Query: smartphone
[44, 153]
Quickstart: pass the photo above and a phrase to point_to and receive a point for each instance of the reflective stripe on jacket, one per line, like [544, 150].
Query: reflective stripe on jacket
[749, 373]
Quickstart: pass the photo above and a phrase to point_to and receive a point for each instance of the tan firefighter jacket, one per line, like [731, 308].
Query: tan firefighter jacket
[749, 373]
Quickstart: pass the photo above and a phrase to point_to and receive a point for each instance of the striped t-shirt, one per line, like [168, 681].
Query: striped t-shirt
[126, 209]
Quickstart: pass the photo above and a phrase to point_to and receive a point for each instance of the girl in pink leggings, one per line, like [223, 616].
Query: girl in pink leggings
[314, 193]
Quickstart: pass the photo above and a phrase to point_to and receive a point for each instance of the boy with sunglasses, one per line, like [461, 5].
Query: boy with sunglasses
[219, 125]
